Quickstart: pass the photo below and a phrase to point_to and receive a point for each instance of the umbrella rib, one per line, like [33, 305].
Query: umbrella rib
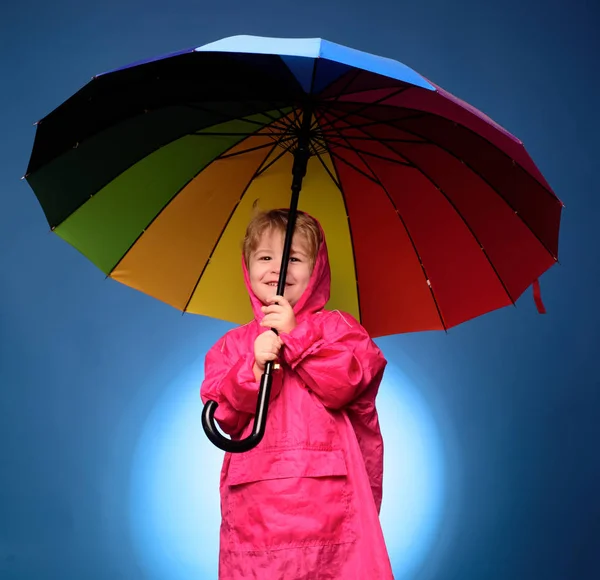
[251, 134]
[162, 209]
[402, 160]
[296, 121]
[263, 167]
[480, 175]
[392, 122]
[286, 141]
[272, 162]
[468, 226]
[464, 220]
[277, 108]
[372, 122]
[283, 120]
[359, 91]
[376, 155]
[375, 102]
[333, 178]
[227, 118]
[243, 151]
[273, 119]
[357, 287]
[284, 124]
[353, 74]
[270, 104]
[225, 134]
[412, 241]
[223, 231]
[382, 139]
[332, 153]
[351, 165]
[342, 92]
[337, 182]
[250, 149]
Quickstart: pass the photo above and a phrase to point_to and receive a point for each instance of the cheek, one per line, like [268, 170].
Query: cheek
[255, 271]
[307, 275]
[254, 278]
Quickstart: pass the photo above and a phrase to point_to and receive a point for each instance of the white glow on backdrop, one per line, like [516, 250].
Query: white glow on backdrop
[413, 478]
[175, 512]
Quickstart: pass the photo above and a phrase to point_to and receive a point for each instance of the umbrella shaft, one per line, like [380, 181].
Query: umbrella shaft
[301, 155]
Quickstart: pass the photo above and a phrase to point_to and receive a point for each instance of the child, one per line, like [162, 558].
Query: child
[304, 503]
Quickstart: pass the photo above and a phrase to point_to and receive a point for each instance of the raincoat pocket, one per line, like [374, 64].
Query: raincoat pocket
[288, 498]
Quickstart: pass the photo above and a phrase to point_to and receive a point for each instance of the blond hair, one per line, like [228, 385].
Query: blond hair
[277, 220]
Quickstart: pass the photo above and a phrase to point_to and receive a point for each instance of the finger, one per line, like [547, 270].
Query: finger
[273, 349]
[276, 298]
[273, 345]
[267, 338]
[282, 301]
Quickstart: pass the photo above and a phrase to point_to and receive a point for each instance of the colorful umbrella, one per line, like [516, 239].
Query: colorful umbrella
[152, 172]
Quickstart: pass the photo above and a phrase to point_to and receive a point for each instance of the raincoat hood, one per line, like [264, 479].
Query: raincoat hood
[317, 293]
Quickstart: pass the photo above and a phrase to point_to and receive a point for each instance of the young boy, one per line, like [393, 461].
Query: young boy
[303, 504]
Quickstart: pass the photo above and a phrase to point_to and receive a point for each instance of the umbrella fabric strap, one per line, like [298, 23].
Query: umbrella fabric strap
[537, 296]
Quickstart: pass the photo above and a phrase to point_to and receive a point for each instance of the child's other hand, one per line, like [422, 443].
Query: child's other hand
[266, 347]
[279, 316]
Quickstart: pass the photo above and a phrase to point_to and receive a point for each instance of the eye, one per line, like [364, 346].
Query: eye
[294, 259]
[266, 258]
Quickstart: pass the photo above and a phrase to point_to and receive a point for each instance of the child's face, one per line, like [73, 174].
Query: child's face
[265, 262]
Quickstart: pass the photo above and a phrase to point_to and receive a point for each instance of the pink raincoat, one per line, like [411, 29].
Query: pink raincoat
[304, 504]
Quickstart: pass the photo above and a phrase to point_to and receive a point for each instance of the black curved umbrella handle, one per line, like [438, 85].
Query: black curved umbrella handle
[260, 419]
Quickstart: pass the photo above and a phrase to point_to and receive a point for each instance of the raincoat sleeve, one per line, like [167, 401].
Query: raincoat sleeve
[229, 380]
[334, 356]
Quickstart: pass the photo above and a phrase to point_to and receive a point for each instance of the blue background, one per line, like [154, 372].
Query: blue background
[104, 470]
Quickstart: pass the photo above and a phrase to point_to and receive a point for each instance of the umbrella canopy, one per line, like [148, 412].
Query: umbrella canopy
[152, 171]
